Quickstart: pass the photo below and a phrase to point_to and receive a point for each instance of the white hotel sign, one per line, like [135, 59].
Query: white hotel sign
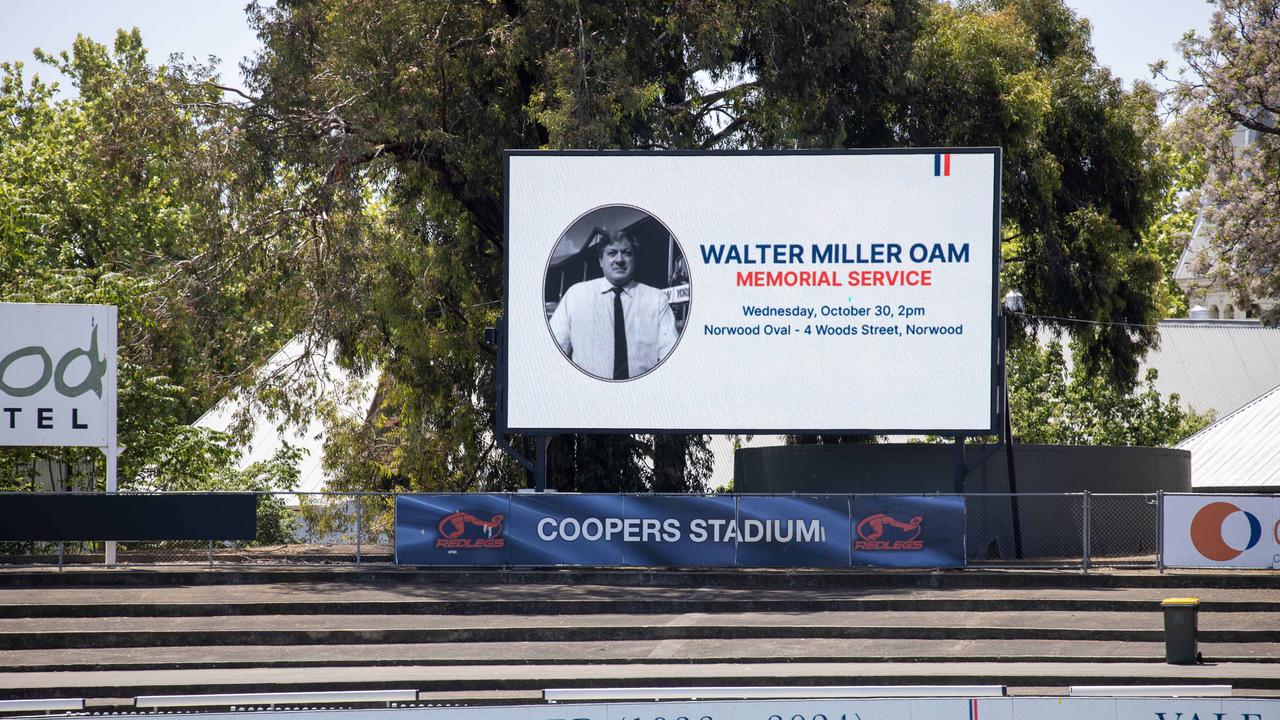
[58, 375]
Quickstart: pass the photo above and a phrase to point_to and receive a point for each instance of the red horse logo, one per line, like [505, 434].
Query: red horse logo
[453, 526]
[872, 528]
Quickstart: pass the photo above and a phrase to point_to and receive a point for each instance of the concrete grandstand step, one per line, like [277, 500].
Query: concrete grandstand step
[38, 633]
[758, 578]
[465, 678]
[382, 594]
[1152, 619]
[491, 635]
[633, 606]
[641, 652]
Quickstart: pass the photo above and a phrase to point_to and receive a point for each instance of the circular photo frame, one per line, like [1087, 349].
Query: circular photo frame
[617, 293]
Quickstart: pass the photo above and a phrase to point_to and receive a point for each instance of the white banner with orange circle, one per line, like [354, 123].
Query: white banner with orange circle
[1241, 531]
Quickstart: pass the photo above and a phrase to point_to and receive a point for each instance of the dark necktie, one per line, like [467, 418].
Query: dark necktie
[619, 338]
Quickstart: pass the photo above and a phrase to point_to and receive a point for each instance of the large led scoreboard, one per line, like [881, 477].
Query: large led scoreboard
[752, 291]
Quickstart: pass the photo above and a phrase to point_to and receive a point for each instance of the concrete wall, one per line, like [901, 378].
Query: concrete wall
[1051, 525]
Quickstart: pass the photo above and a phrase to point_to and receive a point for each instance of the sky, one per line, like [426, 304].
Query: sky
[196, 28]
[1128, 35]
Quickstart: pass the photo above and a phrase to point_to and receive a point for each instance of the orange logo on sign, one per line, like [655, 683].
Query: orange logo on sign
[1206, 531]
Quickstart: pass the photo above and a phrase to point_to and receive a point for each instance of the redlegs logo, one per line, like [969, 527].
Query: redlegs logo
[462, 530]
[1206, 531]
[903, 534]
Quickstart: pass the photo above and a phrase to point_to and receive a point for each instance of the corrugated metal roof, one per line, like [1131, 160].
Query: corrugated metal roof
[1242, 450]
[1218, 365]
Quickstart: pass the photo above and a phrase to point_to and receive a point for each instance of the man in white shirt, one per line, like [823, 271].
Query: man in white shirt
[614, 327]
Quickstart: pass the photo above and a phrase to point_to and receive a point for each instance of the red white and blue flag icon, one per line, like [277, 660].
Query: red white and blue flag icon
[942, 165]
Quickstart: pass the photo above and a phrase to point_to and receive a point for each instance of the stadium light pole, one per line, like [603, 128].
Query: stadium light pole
[1013, 303]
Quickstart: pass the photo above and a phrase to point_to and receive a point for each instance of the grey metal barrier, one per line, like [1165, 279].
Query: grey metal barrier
[293, 528]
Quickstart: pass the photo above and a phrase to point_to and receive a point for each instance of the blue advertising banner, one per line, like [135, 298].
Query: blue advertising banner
[907, 531]
[462, 529]
[681, 530]
[795, 531]
[669, 530]
[555, 529]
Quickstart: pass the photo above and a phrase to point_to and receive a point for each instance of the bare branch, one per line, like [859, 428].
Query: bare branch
[710, 98]
[235, 91]
[725, 132]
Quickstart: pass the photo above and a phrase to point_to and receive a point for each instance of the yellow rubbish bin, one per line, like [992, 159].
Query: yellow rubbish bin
[1180, 620]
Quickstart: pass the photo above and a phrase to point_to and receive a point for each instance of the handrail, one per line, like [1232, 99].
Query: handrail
[774, 692]
[272, 699]
[1149, 691]
[42, 704]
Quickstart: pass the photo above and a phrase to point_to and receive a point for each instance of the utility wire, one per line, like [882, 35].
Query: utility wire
[1083, 322]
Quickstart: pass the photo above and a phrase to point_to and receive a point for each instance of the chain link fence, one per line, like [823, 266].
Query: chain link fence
[1031, 530]
[1080, 530]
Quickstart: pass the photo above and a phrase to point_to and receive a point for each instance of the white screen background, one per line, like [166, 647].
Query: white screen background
[795, 382]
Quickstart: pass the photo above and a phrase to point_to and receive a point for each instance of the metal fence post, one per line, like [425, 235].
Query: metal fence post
[210, 554]
[1160, 530]
[358, 513]
[1086, 550]
[62, 546]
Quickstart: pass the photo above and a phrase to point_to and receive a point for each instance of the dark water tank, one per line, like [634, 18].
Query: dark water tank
[928, 468]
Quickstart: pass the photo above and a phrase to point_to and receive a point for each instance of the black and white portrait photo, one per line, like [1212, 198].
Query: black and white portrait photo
[617, 292]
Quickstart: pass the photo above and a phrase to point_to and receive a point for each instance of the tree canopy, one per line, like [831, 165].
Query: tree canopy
[1228, 101]
[1055, 402]
[130, 193]
[352, 190]
[408, 105]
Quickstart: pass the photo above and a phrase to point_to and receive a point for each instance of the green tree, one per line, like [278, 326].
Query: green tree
[1228, 101]
[1058, 403]
[1081, 178]
[1167, 234]
[133, 193]
[392, 118]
